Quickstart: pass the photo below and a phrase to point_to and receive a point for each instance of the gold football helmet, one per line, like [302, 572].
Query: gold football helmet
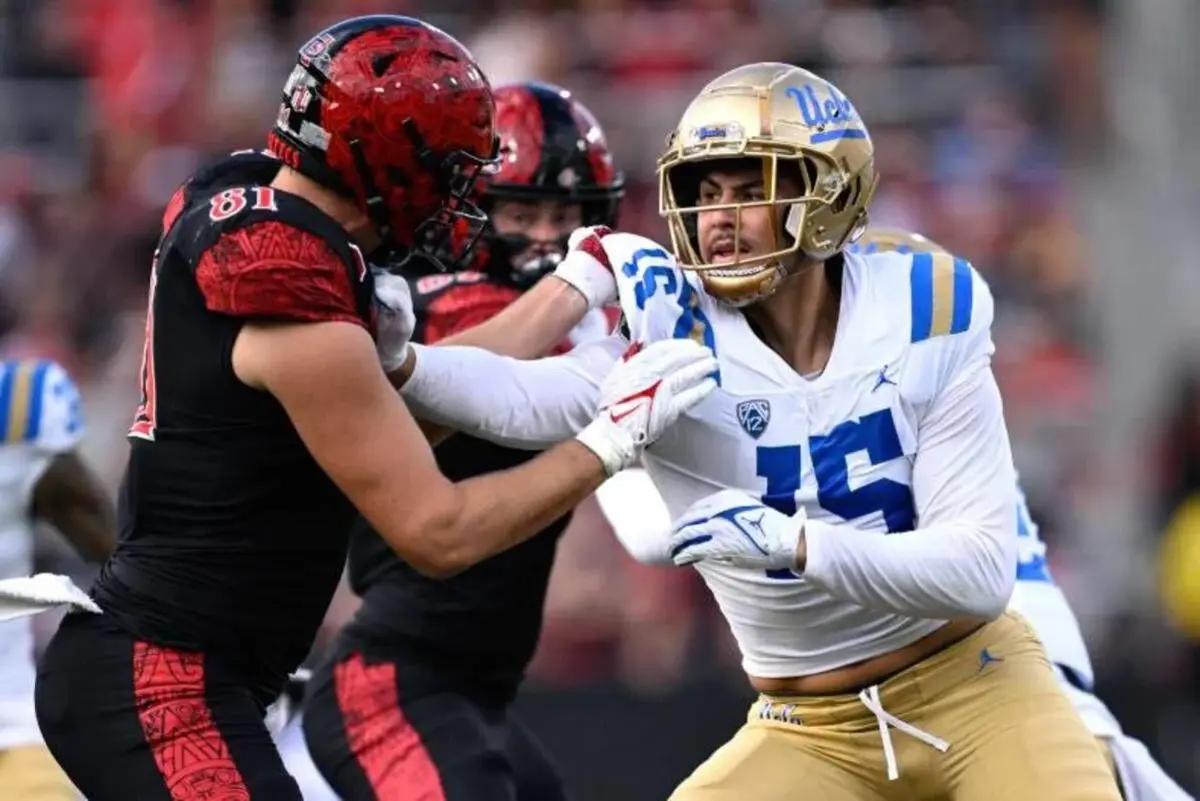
[791, 121]
[881, 239]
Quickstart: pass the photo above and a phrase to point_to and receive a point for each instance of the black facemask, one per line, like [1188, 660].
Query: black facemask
[503, 248]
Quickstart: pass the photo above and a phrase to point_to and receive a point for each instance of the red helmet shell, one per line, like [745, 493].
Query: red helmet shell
[551, 146]
[391, 111]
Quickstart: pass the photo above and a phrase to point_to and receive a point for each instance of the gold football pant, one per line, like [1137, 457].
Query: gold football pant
[991, 700]
[29, 773]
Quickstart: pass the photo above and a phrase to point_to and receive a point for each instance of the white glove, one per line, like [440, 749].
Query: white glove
[733, 528]
[643, 394]
[587, 266]
[395, 320]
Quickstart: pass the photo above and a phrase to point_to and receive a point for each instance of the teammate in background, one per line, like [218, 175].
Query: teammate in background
[267, 418]
[856, 400]
[41, 479]
[1040, 601]
[414, 700]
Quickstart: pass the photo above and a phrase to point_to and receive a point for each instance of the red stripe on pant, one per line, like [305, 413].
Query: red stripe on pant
[191, 755]
[388, 749]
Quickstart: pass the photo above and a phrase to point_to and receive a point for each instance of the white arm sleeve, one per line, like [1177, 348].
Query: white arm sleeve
[638, 516]
[962, 558]
[521, 404]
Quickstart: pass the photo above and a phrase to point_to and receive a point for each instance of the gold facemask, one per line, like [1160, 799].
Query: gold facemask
[783, 117]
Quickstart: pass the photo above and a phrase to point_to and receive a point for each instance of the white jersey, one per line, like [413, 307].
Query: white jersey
[39, 417]
[897, 451]
[842, 445]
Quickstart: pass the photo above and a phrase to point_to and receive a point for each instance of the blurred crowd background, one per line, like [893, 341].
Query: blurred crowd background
[1048, 142]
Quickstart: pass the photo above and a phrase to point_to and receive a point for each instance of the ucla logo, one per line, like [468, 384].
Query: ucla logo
[820, 114]
[754, 415]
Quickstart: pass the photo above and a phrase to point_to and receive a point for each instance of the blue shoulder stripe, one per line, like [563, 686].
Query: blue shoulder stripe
[7, 369]
[942, 295]
[963, 298]
[922, 296]
[34, 425]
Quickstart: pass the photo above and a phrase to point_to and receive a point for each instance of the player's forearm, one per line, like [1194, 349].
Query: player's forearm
[961, 560]
[524, 404]
[71, 499]
[491, 513]
[531, 326]
[941, 571]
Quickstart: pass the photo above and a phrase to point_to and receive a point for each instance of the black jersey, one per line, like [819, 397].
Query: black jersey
[231, 536]
[491, 614]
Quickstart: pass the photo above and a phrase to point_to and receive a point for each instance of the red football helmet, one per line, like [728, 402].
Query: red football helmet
[396, 114]
[551, 148]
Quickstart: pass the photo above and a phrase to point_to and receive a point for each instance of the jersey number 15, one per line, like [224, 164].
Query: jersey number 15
[874, 433]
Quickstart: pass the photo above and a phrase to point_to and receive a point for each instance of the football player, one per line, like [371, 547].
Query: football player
[848, 493]
[413, 701]
[43, 480]
[267, 418]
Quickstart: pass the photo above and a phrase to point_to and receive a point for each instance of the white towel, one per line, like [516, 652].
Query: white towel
[20, 597]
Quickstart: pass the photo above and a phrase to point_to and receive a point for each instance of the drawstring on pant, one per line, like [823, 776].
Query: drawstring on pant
[870, 699]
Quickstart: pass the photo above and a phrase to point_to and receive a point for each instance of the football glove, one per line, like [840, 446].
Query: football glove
[395, 320]
[587, 266]
[733, 528]
[647, 390]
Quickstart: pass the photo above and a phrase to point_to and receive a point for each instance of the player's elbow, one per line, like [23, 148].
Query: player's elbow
[993, 597]
[431, 555]
[432, 539]
[442, 550]
[438, 565]
[995, 575]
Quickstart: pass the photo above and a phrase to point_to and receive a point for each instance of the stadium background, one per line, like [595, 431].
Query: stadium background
[1049, 142]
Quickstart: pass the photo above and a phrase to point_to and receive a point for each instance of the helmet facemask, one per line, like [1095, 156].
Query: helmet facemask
[505, 250]
[748, 276]
[459, 218]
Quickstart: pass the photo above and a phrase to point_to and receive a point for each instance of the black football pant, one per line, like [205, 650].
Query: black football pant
[384, 727]
[129, 720]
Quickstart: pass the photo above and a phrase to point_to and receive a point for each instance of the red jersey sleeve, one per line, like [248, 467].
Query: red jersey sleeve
[463, 306]
[275, 270]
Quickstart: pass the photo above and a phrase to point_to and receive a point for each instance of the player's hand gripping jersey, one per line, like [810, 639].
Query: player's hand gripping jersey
[897, 451]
